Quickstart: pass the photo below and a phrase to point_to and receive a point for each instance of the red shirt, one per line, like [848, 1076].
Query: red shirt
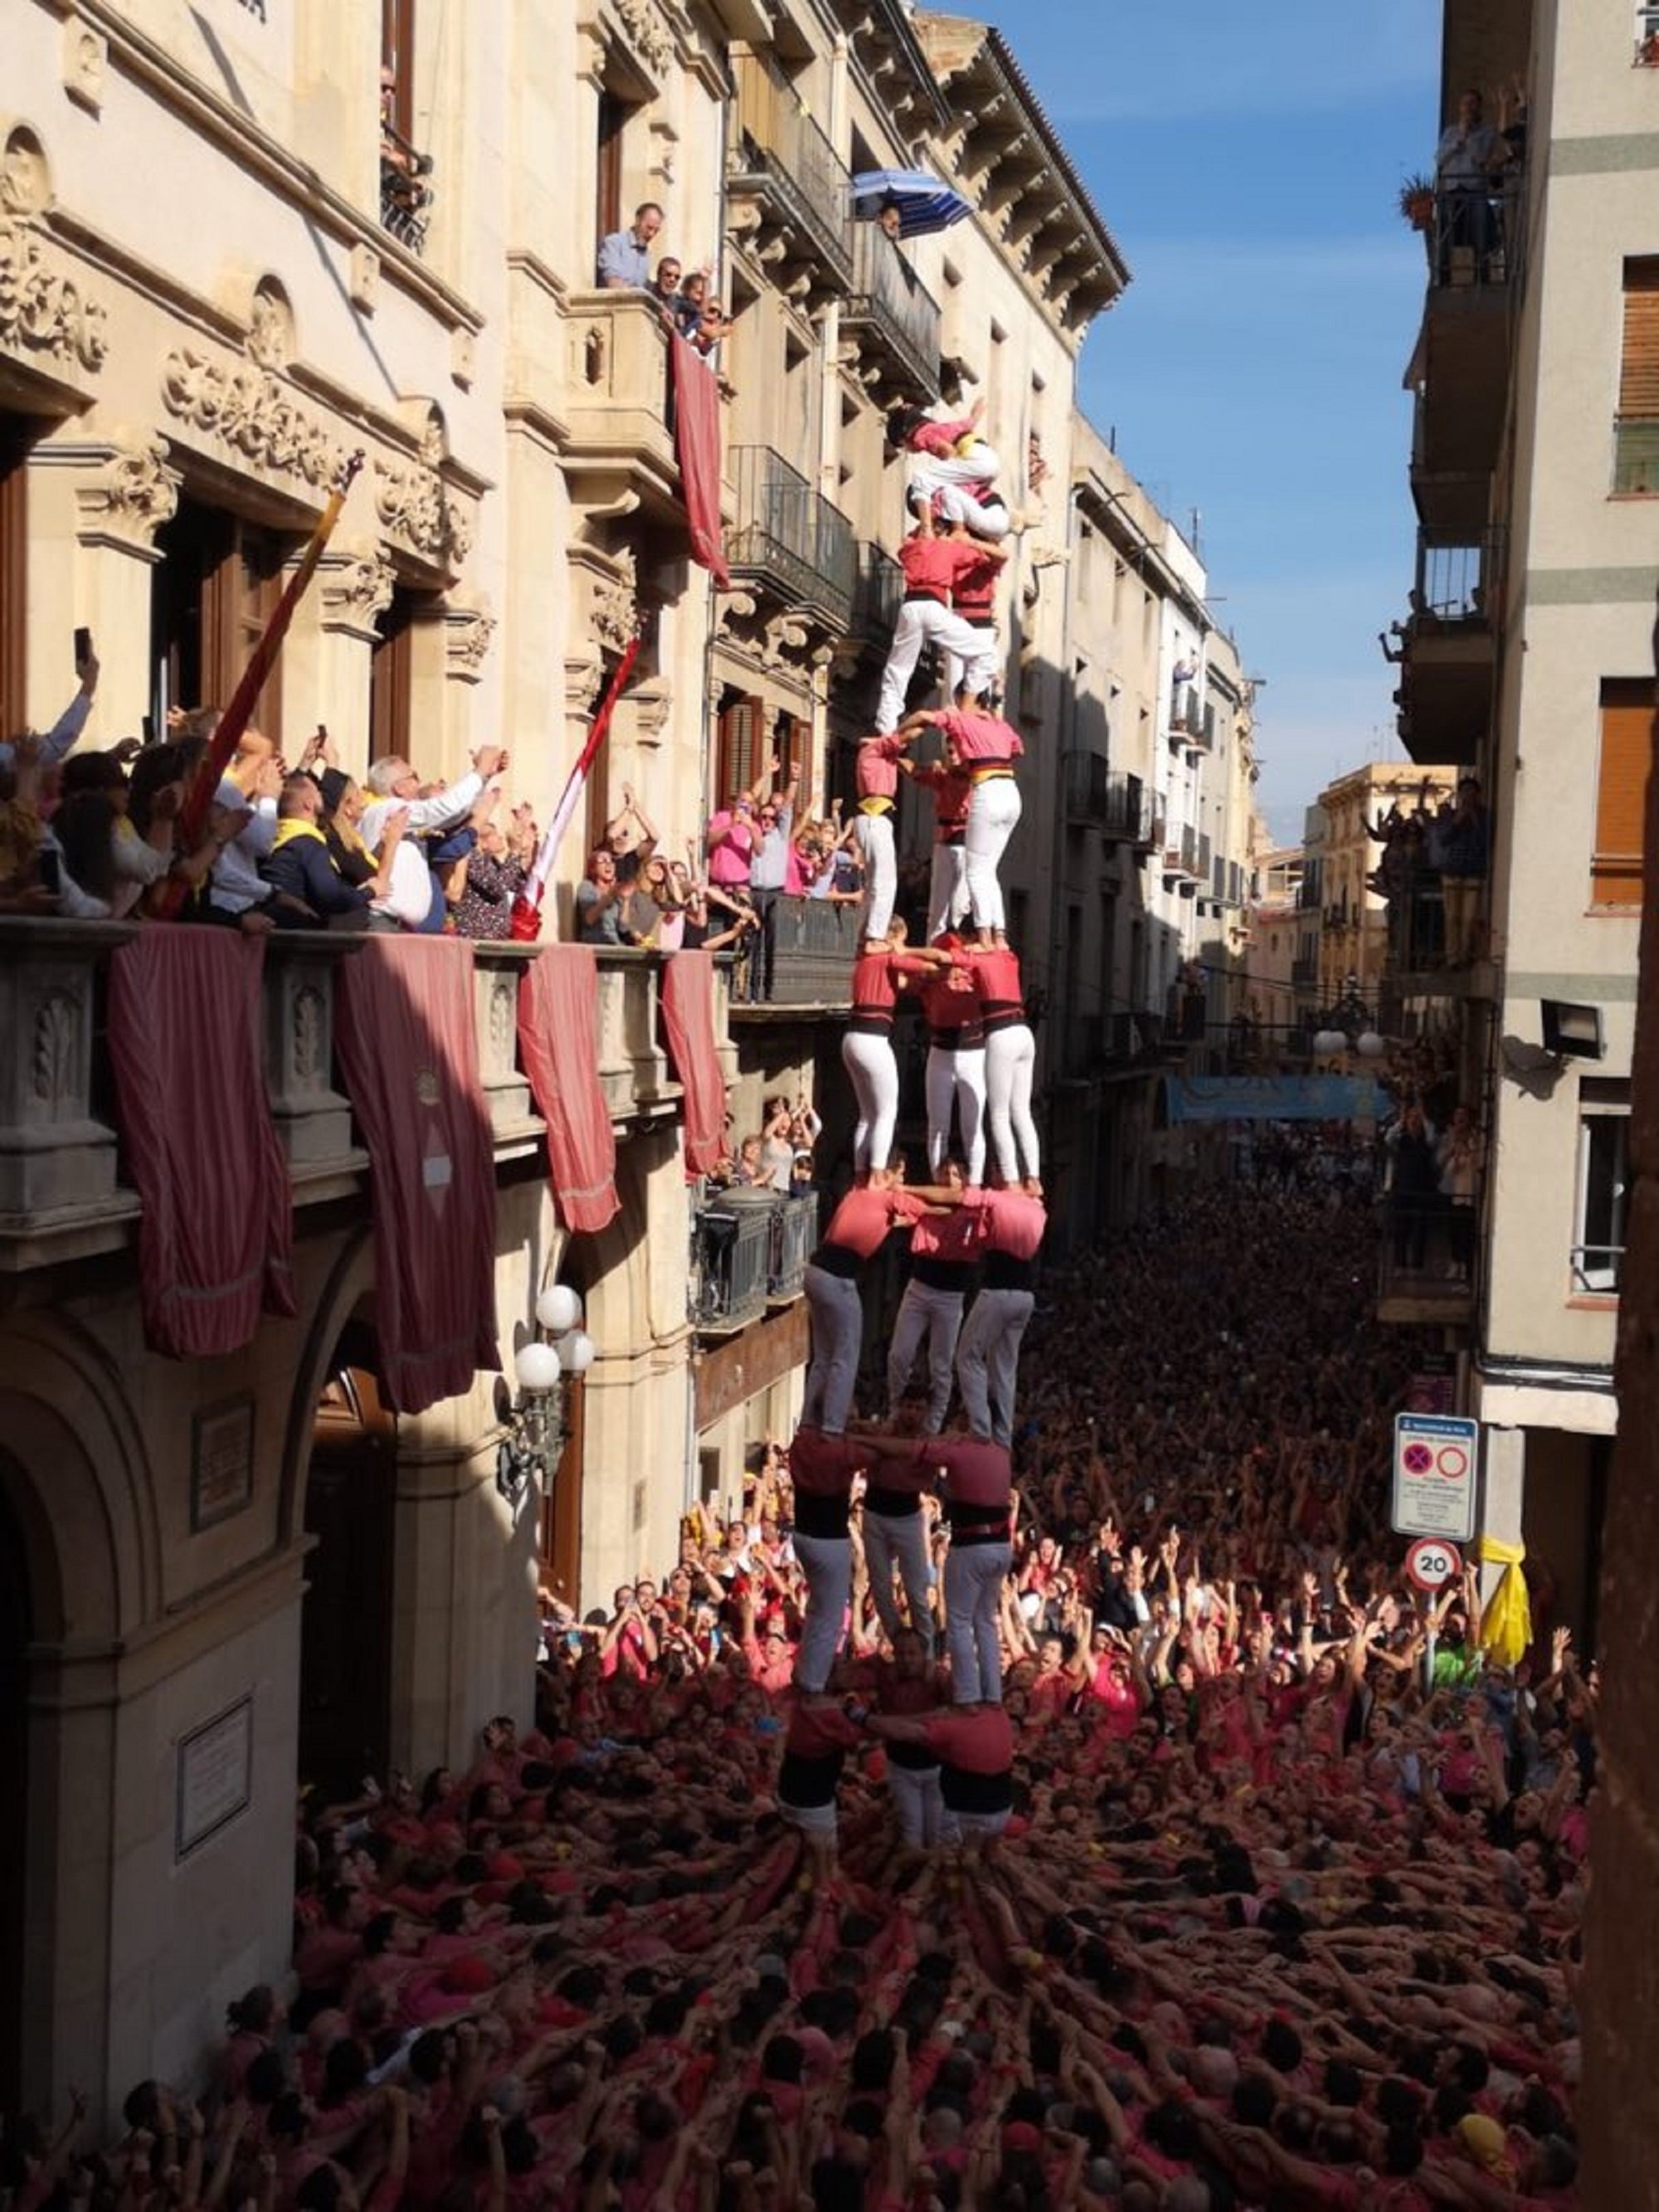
[940, 439]
[980, 1471]
[933, 565]
[874, 769]
[1010, 1221]
[976, 1739]
[976, 589]
[974, 738]
[949, 1002]
[824, 1466]
[861, 1222]
[995, 975]
[951, 791]
[954, 1238]
[876, 979]
[908, 1470]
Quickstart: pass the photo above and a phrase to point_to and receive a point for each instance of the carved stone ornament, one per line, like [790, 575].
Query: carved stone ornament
[57, 1047]
[251, 412]
[134, 493]
[356, 587]
[310, 1035]
[468, 633]
[615, 614]
[271, 327]
[582, 680]
[415, 504]
[647, 34]
[42, 309]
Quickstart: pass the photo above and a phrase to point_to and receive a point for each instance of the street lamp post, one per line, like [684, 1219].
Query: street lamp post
[534, 1434]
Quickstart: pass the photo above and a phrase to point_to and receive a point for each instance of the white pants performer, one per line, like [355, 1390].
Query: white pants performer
[974, 1576]
[947, 888]
[993, 816]
[872, 1070]
[956, 1079]
[956, 674]
[1009, 1067]
[875, 843]
[987, 1361]
[900, 1539]
[916, 1801]
[930, 1315]
[827, 1564]
[837, 1313]
[928, 622]
[957, 480]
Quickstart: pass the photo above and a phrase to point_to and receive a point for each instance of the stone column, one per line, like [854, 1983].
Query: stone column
[1503, 1492]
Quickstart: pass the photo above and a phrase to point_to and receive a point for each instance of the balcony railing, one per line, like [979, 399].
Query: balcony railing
[61, 1194]
[1478, 238]
[1107, 799]
[616, 408]
[1427, 1260]
[791, 174]
[877, 594]
[1181, 853]
[730, 1261]
[405, 194]
[891, 314]
[1186, 715]
[803, 958]
[794, 1234]
[1457, 580]
[790, 539]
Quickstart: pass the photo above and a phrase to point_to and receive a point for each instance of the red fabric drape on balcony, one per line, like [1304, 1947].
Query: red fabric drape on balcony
[409, 1055]
[697, 449]
[215, 1241]
[559, 1047]
[687, 1014]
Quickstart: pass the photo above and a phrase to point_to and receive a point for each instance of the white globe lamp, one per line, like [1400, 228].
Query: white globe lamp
[558, 1308]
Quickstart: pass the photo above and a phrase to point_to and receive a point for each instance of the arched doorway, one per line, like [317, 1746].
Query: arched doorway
[17, 1632]
[346, 1627]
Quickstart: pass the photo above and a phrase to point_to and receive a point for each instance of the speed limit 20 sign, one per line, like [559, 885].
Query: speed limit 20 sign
[1435, 1457]
[1431, 1563]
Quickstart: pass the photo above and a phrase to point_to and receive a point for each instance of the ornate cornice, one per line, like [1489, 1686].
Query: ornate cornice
[252, 413]
[44, 315]
[133, 493]
[467, 632]
[415, 505]
[356, 587]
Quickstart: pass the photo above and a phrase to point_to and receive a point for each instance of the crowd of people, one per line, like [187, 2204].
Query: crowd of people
[1275, 1920]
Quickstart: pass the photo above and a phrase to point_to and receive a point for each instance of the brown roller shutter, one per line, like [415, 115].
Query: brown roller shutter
[1621, 792]
[1638, 380]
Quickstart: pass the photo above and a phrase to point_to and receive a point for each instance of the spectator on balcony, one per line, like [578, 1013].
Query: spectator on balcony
[623, 263]
[249, 785]
[301, 868]
[731, 838]
[61, 738]
[599, 901]
[1469, 154]
[666, 290]
[690, 300]
[1461, 1154]
[631, 838]
[768, 875]
[21, 828]
[413, 899]
[342, 810]
[931, 565]
[496, 871]
[1465, 855]
[711, 328]
[716, 922]
[1413, 1185]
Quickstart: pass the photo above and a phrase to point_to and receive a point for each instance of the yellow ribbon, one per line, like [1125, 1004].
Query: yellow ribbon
[1506, 1621]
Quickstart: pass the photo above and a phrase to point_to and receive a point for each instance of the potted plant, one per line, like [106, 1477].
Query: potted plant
[1417, 201]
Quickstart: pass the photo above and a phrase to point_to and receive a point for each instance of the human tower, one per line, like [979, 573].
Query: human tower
[949, 1764]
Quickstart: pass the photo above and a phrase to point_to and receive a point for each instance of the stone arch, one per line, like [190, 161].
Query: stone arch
[25, 174]
[78, 1479]
[349, 1283]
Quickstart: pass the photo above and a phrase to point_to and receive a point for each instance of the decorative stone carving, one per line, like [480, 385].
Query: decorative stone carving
[356, 589]
[467, 631]
[86, 65]
[310, 1040]
[415, 504]
[43, 310]
[25, 179]
[582, 679]
[434, 440]
[647, 33]
[132, 494]
[364, 279]
[463, 358]
[57, 1049]
[251, 412]
[271, 326]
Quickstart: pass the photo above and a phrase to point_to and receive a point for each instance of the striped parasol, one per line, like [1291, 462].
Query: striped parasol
[924, 203]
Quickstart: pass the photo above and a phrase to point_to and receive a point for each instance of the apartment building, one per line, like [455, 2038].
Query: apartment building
[1527, 661]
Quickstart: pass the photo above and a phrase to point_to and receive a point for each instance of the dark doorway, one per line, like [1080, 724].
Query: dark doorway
[613, 121]
[17, 1629]
[560, 1533]
[346, 1629]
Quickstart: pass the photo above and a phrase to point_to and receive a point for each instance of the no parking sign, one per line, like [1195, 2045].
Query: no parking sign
[1435, 1457]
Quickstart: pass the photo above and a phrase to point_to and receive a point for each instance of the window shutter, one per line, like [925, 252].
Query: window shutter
[740, 749]
[1628, 717]
[798, 763]
[1638, 381]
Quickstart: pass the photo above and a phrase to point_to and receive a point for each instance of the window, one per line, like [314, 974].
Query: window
[1627, 716]
[14, 571]
[1598, 1253]
[1636, 432]
[390, 671]
[792, 741]
[216, 587]
[613, 121]
[741, 737]
[398, 65]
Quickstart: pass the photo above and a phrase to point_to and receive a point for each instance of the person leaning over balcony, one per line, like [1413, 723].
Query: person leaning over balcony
[414, 899]
[623, 263]
[599, 903]
[666, 290]
[300, 866]
[631, 838]
[1461, 1154]
[1465, 845]
[985, 748]
[931, 565]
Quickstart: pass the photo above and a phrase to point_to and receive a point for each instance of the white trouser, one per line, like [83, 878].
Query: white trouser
[935, 1315]
[875, 844]
[961, 1827]
[872, 1070]
[974, 1576]
[1010, 1066]
[827, 1564]
[987, 1361]
[957, 503]
[928, 622]
[917, 1802]
[832, 1374]
[993, 813]
[900, 1539]
[947, 889]
[956, 1079]
[956, 668]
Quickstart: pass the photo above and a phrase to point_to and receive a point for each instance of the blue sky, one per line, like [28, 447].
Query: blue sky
[1247, 160]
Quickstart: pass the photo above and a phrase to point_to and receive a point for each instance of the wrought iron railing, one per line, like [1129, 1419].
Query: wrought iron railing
[889, 301]
[877, 594]
[405, 189]
[1478, 237]
[731, 1258]
[778, 140]
[794, 1234]
[790, 537]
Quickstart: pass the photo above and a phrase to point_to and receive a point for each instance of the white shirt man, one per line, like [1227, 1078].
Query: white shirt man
[393, 783]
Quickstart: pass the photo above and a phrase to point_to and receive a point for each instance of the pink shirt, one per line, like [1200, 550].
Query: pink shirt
[861, 1221]
[933, 564]
[939, 439]
[730, 844]
[974, 738]
[1011, 1223]
[875, 767]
